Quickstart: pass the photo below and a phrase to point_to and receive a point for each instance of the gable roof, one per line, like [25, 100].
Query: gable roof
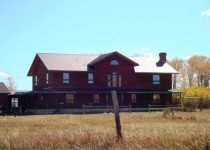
[79, 62]
[3, 89]
[149, 65]
[104, 56]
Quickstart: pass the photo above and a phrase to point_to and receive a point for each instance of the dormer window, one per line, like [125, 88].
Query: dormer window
[114, 62]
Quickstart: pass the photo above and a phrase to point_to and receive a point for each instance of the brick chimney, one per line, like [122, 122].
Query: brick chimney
[162, 59]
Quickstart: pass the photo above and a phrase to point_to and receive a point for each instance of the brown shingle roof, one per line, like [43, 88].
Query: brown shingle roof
[3, 89]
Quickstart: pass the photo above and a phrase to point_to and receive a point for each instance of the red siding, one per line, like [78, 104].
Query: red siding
[101, 70]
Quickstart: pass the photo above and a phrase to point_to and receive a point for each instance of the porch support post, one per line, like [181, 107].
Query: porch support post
[122, 101]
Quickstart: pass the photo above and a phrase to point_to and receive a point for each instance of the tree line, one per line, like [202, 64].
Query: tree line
[193, 72]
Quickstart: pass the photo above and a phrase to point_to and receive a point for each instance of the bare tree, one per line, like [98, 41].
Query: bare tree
[199, 67]
[11, 83]
[179, 65]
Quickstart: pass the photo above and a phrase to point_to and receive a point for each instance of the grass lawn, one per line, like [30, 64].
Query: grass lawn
[142, 130]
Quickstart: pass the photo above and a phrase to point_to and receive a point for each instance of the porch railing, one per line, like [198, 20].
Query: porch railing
[107, 108]
[161, 107]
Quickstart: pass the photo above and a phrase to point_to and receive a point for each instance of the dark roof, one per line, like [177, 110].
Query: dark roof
[3, 89]
[19, 92]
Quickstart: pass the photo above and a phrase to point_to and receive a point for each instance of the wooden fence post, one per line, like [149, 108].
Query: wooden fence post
[149, 107]
[117, 115]
[83, 108]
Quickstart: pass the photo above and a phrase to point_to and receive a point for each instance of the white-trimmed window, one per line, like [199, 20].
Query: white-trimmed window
[109, 80]
[14, 102]
[66, 77]
[96, 98]
[90, 78]
[47, 78]
[156, 79]
[156, 98]
[114, 79]
[119, 81]
[114, 62]
[133, 98]
[69, 98]
[36, 80]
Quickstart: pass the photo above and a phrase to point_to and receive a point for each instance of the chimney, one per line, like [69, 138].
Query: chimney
[162, 59]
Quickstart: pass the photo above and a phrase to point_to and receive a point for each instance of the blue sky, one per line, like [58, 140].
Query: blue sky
[179, 27]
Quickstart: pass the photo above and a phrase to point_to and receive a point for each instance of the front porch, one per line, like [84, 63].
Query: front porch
[52, 102]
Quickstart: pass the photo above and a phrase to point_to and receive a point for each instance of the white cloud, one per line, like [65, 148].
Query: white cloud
[3, 74]
[206, 13]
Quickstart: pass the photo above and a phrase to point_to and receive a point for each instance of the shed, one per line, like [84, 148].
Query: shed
[4, 91]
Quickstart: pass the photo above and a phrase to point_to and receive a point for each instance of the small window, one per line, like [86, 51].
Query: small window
[114, 62]
[156, 98]
[35, 80]
[133, 98]
[90, 78]
[69, 98]
[96, 98]
[156, 79]
[47, 78]
[65, 77]
[14, 102]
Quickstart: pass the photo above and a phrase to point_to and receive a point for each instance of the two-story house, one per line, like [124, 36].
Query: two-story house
[69, 81]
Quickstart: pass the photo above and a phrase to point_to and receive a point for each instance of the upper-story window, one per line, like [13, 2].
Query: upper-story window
[66, 77]
[156, 79]
[36, 80]
[119, 81]
[47, 78]
[114, 62]
[109, 80]
[114, 79]
[90, 78]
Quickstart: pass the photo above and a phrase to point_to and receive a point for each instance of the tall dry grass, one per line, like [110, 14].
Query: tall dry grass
[140, 131]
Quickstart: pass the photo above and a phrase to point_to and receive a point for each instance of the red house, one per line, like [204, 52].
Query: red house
[69, 81]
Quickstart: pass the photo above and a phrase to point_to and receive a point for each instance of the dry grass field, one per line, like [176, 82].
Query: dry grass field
[142, 130]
